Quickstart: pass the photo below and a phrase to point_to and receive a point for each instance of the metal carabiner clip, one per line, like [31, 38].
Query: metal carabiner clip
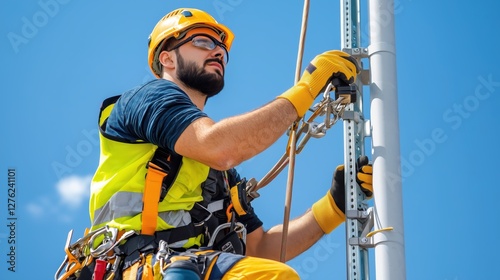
[107, 243]
[239, 228]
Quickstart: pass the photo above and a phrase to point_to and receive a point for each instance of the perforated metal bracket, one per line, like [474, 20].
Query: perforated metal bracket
[357, 52]
[367, 222]
[360, 53]
[352, 115]
[363, 242]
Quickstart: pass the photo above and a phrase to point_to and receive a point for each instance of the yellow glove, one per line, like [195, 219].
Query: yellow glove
[320, 71]
[329, 211]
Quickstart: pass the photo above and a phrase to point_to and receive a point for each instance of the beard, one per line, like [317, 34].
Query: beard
[198, 78]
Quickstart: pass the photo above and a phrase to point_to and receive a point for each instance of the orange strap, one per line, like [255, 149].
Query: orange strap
[151, 198]
[229, 214]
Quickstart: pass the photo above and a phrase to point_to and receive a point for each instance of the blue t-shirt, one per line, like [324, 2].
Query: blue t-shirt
[156, 112]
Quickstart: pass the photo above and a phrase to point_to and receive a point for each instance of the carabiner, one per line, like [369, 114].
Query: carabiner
[106, 244]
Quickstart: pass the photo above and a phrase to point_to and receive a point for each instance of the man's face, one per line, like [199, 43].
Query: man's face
[200, 68]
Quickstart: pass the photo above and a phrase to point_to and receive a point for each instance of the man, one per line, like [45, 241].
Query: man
[167, 170]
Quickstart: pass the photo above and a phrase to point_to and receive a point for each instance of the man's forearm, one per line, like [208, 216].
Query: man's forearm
[229, 142]
[303, 232]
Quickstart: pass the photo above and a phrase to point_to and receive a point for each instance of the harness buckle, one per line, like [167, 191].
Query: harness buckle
[197, 211]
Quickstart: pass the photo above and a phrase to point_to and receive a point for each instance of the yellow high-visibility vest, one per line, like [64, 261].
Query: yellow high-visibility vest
[117, 188]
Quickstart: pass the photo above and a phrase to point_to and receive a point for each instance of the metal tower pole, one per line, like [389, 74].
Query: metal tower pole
[354, 135]
[388, 208]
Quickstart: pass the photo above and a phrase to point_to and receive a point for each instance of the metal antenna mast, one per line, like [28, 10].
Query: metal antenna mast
[380, 226]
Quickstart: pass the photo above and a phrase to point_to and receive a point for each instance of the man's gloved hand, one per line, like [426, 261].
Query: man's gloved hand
[329, 211]
[364, 172]
[320, 71]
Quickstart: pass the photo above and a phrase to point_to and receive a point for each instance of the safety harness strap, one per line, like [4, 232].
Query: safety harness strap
[151, 197]
[138, 244]
[159, 179]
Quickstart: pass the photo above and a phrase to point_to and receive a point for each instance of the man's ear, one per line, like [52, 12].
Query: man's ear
[167, 60]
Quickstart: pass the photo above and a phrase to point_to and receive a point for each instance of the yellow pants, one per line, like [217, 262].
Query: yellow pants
[251, 268]
[226, 266]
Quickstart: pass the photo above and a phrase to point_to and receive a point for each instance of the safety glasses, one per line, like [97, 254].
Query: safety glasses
[205, 42]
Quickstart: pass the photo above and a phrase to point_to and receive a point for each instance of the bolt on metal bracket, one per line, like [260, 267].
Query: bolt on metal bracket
[367, 222]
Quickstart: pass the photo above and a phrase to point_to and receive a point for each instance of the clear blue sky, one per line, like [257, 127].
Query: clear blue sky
[60, 59]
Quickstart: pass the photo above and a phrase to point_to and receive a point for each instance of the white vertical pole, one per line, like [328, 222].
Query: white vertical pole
[389, 244]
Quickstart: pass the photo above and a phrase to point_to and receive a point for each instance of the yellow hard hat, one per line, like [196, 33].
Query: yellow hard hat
[175, 24]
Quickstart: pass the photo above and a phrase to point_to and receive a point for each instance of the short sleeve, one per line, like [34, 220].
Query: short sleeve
[157, 112]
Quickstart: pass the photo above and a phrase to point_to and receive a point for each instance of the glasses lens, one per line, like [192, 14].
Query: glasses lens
[203, 42]
[209, 43]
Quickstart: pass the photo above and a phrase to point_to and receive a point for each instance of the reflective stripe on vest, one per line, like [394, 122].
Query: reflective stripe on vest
[129, 204]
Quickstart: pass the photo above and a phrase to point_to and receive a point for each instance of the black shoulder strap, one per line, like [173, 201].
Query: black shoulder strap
[106, 107]
[170, 163]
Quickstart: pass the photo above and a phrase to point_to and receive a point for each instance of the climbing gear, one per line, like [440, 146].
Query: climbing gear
[300, 133]
[234, 241]
[81, 253]
[330, 109]
[319, 73]
[108, 253]
[154, 258]
[240, 198]
[76, 257]
[205, 42]
[175, 24]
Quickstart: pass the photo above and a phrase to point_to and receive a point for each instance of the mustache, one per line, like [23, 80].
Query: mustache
[215, 60]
